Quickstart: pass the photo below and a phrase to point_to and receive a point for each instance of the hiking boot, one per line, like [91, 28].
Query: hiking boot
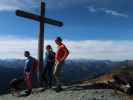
[50, 86]
[28, 92]
[130, 91]
[58, 89]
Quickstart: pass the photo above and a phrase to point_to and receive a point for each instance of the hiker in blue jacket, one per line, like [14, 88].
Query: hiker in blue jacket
[49, 64]
[29, 69]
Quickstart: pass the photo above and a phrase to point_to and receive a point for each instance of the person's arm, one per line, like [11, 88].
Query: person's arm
[57, 56]
[46, 57]
[28, 66]
[52, 57]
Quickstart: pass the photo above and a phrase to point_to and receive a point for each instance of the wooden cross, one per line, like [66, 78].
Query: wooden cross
[42, 19]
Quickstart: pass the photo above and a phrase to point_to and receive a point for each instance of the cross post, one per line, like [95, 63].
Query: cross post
[41, 40]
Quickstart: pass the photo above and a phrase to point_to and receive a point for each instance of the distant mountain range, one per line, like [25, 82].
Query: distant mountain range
[74, 70]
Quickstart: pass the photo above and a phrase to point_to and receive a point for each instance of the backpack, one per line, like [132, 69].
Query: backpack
[34, 65]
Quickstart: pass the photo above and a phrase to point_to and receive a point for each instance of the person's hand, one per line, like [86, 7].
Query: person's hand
[49, 61]
[62, 61]
[27, 75]
[57, 62]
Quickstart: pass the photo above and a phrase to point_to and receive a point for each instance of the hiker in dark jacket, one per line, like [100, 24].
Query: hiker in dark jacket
[49, 63]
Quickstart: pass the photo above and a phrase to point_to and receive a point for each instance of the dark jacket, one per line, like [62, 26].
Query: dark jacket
[50, 57]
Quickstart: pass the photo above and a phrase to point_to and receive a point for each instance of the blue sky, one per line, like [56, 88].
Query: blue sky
[101, 21]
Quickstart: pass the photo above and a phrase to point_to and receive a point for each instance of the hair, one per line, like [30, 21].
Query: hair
[27, 52]
[49, 46]
[59, 39]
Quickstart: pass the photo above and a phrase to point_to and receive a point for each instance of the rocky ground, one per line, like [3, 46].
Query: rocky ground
[77, 92]
[96, 89]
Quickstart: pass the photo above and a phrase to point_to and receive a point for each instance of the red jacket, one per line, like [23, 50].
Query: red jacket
[62, 53]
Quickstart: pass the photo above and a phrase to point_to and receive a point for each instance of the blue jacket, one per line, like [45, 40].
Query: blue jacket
[28, 64]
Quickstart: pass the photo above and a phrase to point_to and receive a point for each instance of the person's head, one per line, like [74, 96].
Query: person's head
[26, 53]
[58, 41]
[49, 48]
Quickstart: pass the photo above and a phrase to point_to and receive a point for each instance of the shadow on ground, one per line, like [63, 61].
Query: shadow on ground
[78, 87]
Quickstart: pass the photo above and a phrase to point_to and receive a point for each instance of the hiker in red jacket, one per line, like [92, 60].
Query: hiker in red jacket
[60, 57]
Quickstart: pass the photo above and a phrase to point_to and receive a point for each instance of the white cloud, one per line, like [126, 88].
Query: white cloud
[115, 13]
[91, 9]
[107, 11]
[11, 5]
[7, 8]
[89, 49]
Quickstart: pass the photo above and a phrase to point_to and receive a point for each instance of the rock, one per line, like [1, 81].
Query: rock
[94, 99]
[102, 96]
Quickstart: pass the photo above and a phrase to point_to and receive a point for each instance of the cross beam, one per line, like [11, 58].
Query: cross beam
[37, 18]
[42, 19]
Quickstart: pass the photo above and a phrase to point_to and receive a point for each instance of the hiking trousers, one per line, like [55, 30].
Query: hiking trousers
[57, 72]
[28, 80]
